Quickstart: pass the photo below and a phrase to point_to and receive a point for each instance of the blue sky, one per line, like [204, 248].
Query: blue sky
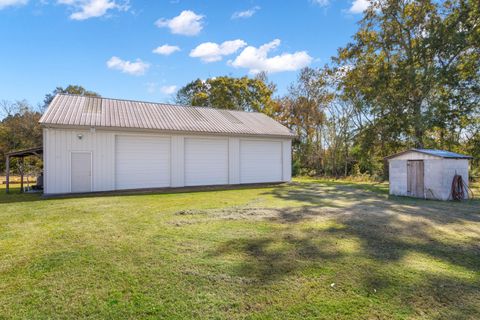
[145, 50]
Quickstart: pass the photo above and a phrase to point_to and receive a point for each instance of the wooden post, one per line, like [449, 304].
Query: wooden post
[7, 174]
[21, 173]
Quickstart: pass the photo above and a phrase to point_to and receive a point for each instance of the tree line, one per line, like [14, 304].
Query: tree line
[409, 78]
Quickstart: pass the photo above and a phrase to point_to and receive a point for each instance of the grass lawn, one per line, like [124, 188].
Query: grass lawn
[312, 249]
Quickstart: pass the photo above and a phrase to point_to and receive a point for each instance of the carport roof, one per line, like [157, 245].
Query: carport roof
[435, 153]
[26, 152]
[83, 111]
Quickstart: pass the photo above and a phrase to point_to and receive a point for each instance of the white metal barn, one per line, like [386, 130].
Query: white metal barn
[426, 173]
[98, 144]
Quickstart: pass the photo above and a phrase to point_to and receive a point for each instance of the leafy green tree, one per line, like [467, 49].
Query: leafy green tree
[412, 74]
[19, 129]
[71, 89]
[229, 93]
[303, 111]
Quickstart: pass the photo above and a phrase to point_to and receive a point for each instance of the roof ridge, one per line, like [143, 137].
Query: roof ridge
[161, 103]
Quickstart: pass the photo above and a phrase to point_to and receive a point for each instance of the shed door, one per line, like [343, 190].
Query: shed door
[260, 161]
[142, 162]
[81, 172]
[206, 161]
[415, 178]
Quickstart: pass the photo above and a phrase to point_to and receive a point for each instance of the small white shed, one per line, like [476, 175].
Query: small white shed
[426, 173]
[99, 144]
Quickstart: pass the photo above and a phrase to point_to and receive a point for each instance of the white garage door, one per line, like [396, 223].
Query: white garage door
[142, 162]
[206, 161]
[260, 161]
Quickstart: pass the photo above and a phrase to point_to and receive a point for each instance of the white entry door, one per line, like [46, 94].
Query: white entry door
[81, 172]
[260, 161]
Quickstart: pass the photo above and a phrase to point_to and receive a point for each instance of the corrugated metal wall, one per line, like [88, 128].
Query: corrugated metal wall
[60, 143]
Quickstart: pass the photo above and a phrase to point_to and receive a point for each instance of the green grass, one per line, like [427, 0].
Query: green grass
[312, 249]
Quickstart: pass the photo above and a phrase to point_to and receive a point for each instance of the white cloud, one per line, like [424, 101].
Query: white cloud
[168, 89]
[166, 49]
[153, 87]
[136, 68]
[257, 60]
[359, 6]
[86, 9]
[321, 3]
[211, 51]
[245, 14]
[187, 23]
[11, 3]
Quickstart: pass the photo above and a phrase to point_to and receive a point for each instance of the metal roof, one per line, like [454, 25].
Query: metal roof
[75, 111]
[443, 153]
[435, 153]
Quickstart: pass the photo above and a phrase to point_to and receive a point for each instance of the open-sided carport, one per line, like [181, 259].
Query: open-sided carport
[21, 155]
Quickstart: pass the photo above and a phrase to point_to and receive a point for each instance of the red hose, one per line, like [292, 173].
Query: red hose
[460, 189]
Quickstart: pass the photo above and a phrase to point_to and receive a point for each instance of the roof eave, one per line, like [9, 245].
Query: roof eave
[443, 157]
[161, 131]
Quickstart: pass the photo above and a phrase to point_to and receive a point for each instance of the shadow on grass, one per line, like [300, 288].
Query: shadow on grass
[386, 230]
[387, 238]
[382, 237]
[375, 198]
[268, 259]
[374, 219]
[429, 296]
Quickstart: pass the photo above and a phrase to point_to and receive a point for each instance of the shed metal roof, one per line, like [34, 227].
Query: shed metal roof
[75, 111]
[435, 153]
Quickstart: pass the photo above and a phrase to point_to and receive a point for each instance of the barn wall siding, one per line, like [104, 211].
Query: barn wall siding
[287, 159]
[178, 161]
[233, 160]
[59, 143]
[58, 146]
